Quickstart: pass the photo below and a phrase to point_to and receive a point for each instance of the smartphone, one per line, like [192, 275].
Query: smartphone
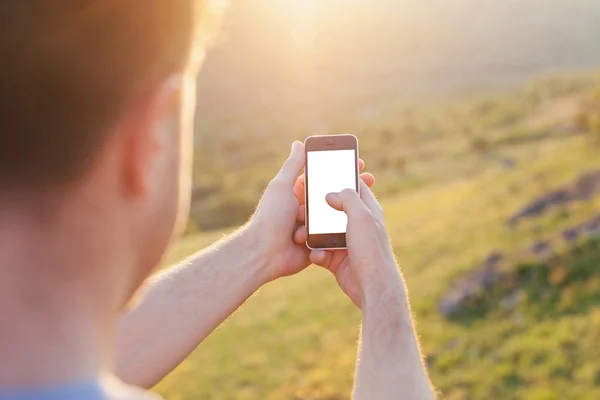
[331, 166]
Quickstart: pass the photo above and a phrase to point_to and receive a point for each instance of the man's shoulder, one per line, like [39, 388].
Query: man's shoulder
[132, 393]
[106, 389]
[116, 390]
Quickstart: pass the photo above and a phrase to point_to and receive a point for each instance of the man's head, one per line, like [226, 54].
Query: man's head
[96, 115]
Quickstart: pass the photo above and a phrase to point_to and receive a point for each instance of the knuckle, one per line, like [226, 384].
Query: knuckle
[379, 214]
[276, 183]
[292, 164]
[364, 215]
[348, 192]
[288, 164]
[380, 223]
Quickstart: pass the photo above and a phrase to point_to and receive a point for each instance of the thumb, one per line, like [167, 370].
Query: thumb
[347, 201]
[294, 164]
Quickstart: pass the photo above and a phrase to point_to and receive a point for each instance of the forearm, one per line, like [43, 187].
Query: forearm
[183, 305]
[390, 364]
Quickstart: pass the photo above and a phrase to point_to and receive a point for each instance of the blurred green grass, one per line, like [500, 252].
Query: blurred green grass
[297, 338]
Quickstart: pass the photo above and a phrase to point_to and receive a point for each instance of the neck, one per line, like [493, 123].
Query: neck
[56, 312]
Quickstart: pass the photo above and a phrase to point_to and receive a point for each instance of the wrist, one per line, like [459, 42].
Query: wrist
[385, 291]
[256, 252]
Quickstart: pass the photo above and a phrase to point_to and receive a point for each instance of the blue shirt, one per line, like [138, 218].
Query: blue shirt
[85, 390]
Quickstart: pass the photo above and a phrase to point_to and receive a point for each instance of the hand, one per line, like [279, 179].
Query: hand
[279, 219]
[368, 263]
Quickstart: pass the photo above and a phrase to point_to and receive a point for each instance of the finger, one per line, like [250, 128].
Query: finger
[301, 216]
[368, 178]
[301, 235]
[294, 164]
[299, 192]
[361, 164]
[347, 201]
[369, 198]
[300, 182]
[321, 258]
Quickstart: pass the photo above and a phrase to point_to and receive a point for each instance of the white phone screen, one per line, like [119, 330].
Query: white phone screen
[328, 172]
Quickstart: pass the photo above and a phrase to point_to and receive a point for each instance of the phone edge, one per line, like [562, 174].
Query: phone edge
[306, 190]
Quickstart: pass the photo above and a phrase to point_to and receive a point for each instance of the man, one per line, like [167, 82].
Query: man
[96, 115]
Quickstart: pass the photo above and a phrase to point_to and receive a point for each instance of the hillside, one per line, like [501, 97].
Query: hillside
[457, 181]
[387, 70]
[407, 145]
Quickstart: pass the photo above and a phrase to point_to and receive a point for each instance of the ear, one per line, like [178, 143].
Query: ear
[144, 139]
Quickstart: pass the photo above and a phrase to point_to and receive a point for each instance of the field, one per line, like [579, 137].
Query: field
[472, 165]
